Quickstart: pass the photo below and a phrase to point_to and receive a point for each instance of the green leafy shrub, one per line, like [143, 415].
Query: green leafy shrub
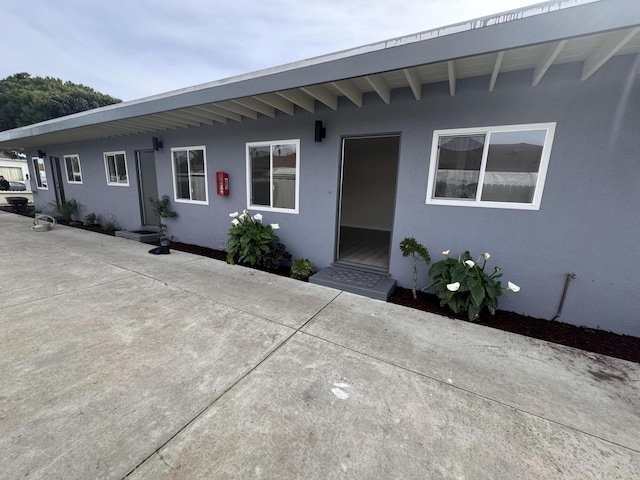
[109, 222]
[89, 219]
[412, 248]
[109, 226]
[272, 259]
[249, 239]
[464, 287]
[302, 268]
[66, 209]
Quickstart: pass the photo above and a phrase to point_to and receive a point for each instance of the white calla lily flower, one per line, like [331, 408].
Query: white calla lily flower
[258, 217]
[275, 226]
[453, 287]
[469, 263]
[235, 221]
[234, 214]
[513, 287]
[446, 253]
[486, 256]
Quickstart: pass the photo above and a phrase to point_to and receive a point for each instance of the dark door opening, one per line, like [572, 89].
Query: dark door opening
[147, 186]
[367, 200]
[57, 180]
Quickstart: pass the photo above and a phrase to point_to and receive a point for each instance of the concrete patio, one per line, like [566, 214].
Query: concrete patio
[120, 364]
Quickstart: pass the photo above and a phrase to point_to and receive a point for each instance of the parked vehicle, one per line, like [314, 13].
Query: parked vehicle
[17, 186]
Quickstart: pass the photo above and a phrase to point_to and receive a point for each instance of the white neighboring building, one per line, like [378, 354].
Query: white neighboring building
[15, 170]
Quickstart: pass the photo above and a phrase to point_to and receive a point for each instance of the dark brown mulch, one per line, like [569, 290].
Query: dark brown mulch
[625, 347]
[592, 340]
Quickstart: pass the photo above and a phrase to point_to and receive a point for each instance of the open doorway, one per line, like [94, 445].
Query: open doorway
[367, 201]
[56, 170]
[147, 186]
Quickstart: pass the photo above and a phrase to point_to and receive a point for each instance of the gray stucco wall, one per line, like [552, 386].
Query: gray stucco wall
[588, 222]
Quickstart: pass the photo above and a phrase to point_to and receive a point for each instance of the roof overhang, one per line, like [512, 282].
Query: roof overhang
[534, 38]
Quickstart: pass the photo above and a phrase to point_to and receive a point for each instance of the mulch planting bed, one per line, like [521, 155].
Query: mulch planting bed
[592, 340]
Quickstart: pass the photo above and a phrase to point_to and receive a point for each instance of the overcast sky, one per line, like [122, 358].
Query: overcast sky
[136, 48]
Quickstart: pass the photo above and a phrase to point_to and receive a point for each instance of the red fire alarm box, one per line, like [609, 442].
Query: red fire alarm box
[222, 184]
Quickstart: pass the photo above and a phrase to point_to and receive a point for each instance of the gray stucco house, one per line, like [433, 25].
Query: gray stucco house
[515, 134]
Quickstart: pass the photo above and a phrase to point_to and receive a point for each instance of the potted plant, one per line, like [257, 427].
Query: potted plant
[161, 208]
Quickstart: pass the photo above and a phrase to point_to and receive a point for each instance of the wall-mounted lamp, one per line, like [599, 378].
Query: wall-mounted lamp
[42, 154]
[157, 143]
[321, 132]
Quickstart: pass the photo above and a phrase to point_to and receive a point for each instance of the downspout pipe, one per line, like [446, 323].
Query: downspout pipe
[570, 276]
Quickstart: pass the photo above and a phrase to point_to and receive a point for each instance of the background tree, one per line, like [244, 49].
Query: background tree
[25, 99]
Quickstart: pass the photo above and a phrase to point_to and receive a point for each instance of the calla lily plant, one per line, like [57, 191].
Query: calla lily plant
[463, 286]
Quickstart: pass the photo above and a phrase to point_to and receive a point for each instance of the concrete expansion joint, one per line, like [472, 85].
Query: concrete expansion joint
[158, 451]
[449, 383]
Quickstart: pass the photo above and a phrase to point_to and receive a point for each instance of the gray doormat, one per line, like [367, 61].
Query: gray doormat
[354, 277]
[355, 281]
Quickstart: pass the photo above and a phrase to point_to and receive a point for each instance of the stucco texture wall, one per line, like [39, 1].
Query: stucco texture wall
[588, 222]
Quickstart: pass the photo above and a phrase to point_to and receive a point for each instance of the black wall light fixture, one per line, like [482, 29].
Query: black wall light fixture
[320, 131]
[157, 143]
[42, 154]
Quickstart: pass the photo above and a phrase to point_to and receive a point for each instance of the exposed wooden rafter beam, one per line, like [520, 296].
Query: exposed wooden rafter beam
[157, 120]
[181, 118]
[349, 90]
[380, 86]
[211, 110]
[496, 71]
[322, 94]
[300, 98]
[135, 123]
[204, 117]
[451, 68]
[411, 74]
[256, 105]
[547, 60]
[237, 108]
[607, 49]
[276, 101]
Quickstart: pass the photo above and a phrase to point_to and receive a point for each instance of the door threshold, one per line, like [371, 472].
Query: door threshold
[362, 267]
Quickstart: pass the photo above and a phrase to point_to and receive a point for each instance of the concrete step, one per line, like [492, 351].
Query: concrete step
[143, 235]
[363, 283]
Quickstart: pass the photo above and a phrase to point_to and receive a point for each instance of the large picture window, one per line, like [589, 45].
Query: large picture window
[72, 167]
[190, 174]
[40, 172]
[115, 164]
[500, 167]
[272, 175]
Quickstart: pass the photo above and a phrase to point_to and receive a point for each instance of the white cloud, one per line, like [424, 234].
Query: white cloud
[131, 49]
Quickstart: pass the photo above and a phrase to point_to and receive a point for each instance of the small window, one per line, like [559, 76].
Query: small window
[115, 165]
[72, 167]
[190, 174]
[272, 175]
[499, 167]
[40, 173]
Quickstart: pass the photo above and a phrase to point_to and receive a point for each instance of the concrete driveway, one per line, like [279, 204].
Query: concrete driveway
[119, 364]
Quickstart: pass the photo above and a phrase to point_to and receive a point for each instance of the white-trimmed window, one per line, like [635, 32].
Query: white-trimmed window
[273, 175]
[72, 167]
[115, 165]
[190, 174]
[40, 172]
[499, 167]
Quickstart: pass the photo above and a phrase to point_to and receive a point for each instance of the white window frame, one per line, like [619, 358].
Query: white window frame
[73, 172]
[36, 170]
[270, 144]
[106, 168]
[206, 176]
[550, 128]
